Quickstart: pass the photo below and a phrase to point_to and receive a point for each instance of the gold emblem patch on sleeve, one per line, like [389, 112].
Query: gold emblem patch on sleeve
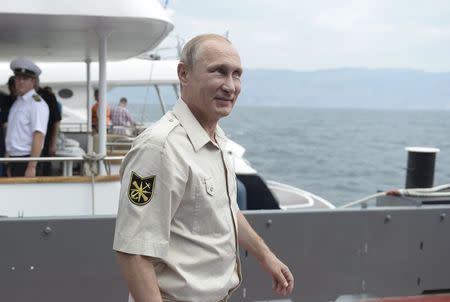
[140, 189]
[36, 97]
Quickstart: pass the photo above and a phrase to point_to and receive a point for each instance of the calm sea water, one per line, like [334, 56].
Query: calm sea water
[339, 154]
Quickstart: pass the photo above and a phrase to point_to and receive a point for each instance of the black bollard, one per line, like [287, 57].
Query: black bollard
[420, 170]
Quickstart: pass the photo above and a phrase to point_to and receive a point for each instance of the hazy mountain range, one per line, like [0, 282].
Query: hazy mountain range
[334, 88]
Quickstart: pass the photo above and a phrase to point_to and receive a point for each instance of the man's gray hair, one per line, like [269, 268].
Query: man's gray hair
[190, 50]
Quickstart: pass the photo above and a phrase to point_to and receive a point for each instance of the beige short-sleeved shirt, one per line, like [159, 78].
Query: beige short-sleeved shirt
[178, 204]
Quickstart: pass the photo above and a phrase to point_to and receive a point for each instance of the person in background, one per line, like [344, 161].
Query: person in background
[94, 109]
[121, 118]
[178, 226]
[27, 119]
[4, 110]
[12, 90]
[49, 149]
[5, 104]
[58, 103]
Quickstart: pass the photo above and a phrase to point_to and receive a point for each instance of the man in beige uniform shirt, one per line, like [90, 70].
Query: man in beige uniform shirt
[178, 224]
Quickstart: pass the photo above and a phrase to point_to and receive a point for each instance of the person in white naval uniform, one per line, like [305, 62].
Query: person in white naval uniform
[27, 119]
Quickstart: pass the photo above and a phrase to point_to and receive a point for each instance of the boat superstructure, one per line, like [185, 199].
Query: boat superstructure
[47, 30]
[82, 32]
[75, 151]
[68, 81]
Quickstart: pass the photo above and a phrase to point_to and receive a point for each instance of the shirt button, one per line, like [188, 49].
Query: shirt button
[171, 120]
[211, 189]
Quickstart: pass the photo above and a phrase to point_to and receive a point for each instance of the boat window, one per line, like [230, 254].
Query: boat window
[65, 93]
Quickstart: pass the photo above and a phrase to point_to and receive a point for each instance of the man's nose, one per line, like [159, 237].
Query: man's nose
[229, 85]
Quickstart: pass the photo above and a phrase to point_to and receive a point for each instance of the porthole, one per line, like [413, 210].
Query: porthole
[65, 93]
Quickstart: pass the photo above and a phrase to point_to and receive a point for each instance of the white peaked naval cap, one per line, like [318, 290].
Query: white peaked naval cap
[25, 67]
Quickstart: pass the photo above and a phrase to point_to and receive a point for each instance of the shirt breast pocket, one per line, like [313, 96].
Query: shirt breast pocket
[210, 209]
[24, 117]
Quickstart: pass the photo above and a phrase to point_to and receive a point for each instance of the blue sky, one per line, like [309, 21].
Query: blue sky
[322, 34]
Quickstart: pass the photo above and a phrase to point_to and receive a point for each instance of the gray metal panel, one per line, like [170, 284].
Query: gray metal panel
[435, 255]
[322, 248]
[75, 262]
[392, 261]
[331, 253]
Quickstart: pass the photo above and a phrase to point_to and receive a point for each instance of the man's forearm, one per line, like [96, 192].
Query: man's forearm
[130, 119]
[140, 277]
[53, 138]
[36, 147]
[249, 240]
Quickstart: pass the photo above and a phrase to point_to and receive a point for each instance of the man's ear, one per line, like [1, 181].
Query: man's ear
[182, 71]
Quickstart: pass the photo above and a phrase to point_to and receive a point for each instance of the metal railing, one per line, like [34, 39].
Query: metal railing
[67, 161]
[74, 127]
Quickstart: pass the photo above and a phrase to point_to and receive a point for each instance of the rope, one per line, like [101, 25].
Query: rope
[416, 192]
[90, 160]
[351, 204]
[91, 169]
[93, 194]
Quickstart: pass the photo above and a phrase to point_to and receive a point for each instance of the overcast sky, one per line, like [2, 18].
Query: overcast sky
[321, 34]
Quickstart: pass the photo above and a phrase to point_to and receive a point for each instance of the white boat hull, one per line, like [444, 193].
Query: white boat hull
[59, 198]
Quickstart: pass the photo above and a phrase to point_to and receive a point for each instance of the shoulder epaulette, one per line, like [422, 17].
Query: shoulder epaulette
[160, 130]
[36, 97]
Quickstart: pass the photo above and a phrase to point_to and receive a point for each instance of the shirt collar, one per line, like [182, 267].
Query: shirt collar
[28, 94]
[196, 133]
[221, 138]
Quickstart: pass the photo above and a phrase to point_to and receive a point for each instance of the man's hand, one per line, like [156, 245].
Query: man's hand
[282, 279]
[30, 171]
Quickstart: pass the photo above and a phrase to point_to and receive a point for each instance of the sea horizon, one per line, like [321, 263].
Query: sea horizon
[340, 154]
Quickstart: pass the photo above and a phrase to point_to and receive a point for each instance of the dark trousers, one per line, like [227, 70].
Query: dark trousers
[46, 169]
[18, 169]
[46, 166]
[2, 165]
